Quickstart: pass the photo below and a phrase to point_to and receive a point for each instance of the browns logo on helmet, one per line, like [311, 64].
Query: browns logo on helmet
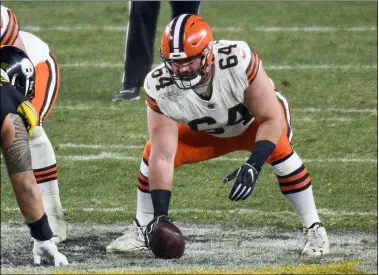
[187, 37]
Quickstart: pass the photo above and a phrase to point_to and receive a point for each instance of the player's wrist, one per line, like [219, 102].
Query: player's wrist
[40, 230]
[262, 150]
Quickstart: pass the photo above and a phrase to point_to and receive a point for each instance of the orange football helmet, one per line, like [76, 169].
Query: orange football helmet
[185, 38]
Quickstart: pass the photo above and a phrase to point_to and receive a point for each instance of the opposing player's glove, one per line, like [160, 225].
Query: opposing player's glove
[27, 112]
[246, 176]
[150, 227]
[49, 250]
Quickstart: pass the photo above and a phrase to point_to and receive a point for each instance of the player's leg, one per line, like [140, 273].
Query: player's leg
[46, 87]
[295, 184]
[43, 156]
[181, 7]
[139, 47]
[193, 146]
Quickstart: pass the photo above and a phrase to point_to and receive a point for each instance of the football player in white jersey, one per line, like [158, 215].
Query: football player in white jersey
[207, 99]
[43, 99]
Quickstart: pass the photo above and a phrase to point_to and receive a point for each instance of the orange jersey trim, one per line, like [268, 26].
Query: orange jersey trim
[152, 103]
[11, 32]
[253, 67]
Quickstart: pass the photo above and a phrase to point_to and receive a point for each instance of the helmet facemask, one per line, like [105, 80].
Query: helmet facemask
[193, 79]
[25, 85]
[187, 38]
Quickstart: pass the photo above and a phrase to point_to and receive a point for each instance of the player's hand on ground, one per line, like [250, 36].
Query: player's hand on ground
[245, 178]
[48, 250]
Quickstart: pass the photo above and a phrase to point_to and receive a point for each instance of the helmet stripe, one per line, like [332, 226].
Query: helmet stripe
[171, 37]
[177, 33]
[181, 33]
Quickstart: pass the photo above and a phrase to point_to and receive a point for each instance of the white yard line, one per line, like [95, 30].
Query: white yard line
[337, 110]
[269, 67]
[328, 119]
[242, 211]
[108, 155]
[306, 109]
[122, 28]
[99, 146]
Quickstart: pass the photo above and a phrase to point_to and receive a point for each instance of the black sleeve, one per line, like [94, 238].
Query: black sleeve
[9, 101]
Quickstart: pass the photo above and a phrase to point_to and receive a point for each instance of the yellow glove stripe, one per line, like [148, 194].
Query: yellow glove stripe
[27, 111]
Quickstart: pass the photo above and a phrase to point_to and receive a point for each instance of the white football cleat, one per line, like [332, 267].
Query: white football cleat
[132, 240]
[316, 240]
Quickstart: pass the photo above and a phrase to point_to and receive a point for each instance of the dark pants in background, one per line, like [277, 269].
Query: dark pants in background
[140, 37]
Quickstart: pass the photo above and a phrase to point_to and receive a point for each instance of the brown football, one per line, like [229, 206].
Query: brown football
[167, 241]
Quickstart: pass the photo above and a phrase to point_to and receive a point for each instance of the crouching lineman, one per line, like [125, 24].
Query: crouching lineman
[15, 149]
[207, 99]
[43, 99]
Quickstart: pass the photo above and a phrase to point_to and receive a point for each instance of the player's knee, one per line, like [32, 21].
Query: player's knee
[41, 150]
[38, 132]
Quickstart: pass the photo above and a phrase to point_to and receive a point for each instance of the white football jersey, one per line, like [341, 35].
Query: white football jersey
[37, 50]
[223, 115]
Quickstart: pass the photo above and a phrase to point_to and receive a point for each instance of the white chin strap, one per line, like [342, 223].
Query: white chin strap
[187, 84]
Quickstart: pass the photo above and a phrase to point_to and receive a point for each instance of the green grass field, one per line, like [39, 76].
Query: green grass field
[321, 55]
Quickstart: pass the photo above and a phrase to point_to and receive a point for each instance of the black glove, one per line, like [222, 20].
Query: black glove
[150, 227]
[246, 176]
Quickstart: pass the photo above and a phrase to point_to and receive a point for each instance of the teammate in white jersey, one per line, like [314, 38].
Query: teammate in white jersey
[207, 99]
[43, 100]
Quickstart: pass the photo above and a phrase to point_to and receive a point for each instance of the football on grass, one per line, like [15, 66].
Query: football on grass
[167, 241]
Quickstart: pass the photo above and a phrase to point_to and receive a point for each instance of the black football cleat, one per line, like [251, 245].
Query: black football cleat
[127, 94]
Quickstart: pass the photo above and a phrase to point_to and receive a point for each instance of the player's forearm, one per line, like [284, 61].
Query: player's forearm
[268, 134]
[270, 129]
[28, 196]
[17, 156]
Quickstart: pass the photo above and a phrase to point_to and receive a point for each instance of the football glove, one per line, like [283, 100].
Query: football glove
[49, 250]
[27, 112]
[243, 186]
[150, 227]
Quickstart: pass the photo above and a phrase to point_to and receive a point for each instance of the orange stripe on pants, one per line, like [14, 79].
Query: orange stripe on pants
[44, 86]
